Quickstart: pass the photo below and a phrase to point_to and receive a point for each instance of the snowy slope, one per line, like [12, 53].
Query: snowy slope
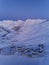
[24, 39]
[21, 31]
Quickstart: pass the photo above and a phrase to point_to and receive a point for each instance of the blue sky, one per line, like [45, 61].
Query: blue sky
[23, 9]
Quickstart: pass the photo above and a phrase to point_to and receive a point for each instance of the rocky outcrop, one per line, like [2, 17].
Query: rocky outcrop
[23, 50]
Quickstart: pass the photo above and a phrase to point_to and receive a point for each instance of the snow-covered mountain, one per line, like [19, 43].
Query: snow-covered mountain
[31, 32]
[23, 39]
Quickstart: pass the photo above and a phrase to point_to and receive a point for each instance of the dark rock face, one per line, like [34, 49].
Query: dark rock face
[16, 28]
[23, 50]
[31, 51]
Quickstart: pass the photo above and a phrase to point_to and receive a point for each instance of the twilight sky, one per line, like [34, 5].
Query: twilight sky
[23, 9]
